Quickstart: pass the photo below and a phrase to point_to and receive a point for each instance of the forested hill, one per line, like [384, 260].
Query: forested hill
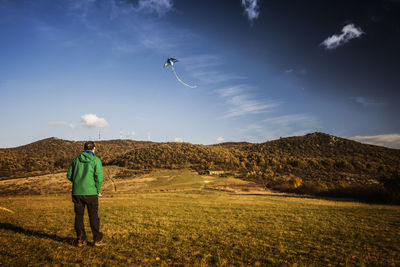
[319, 159]
[54, 155]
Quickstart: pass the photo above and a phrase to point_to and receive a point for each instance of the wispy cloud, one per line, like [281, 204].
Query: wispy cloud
[61, 123]
[117, 8]
[366, 102]
[206, 68]
[387, 140]
[152, 37]
[161, 7]
[289, 71]
[92, 121]
[301, 122]
[230, 91]
[213, 77]
[203, 61]
[281, 126]
[350, 31]
[124, 25]
[242, 103]
[297, 71]
[251, 9]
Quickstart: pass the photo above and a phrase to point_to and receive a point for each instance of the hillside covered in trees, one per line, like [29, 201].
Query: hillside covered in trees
[316, 163]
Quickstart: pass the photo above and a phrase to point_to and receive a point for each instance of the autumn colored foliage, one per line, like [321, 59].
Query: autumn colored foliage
[316, 163]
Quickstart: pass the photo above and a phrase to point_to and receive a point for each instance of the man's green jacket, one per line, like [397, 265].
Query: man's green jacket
[86, 174]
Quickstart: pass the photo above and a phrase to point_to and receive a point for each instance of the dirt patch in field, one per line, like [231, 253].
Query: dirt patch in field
[39, 185]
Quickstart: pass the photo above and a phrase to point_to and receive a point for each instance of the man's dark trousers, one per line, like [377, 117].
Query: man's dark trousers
[92, 203]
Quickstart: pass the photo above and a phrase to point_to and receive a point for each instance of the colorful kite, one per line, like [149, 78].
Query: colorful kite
[170, 62]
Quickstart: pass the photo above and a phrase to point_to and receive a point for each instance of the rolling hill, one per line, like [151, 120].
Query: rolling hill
[316, 163]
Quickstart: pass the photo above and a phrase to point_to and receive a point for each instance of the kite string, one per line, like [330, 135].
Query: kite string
[182, 82]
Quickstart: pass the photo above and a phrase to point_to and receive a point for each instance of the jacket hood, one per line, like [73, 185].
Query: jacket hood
[86, 157]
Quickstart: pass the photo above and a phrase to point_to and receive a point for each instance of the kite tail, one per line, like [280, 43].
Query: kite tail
[182, 82]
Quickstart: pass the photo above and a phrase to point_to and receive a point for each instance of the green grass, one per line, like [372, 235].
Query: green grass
[201, 227]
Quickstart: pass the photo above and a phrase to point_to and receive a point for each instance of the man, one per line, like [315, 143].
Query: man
[86, 175]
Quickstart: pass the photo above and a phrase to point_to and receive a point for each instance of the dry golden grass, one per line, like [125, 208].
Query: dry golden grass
[155, 181]
[174, 220]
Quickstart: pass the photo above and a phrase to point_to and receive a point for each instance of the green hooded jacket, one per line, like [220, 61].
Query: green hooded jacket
[86, 174]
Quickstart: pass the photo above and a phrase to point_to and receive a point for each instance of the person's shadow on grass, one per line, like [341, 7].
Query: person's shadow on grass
[18, 229]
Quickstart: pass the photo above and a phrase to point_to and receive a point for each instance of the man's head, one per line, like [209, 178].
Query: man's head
[89, 146]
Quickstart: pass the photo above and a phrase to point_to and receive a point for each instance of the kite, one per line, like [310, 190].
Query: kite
[170, 62]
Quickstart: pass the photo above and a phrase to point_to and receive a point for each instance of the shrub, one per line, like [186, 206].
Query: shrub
[310, 188]
[392, 186]
[366, 193]
[296, 182]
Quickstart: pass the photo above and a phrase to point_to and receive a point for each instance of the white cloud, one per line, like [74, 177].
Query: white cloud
[72, 126]
[220, 139]
[348, 32]
[280, 126]
[57, 123]
[251, 9]
[366, 102]
[161, 7]
[178, 140]
[387, 140]
[242, 103]
[92, 121]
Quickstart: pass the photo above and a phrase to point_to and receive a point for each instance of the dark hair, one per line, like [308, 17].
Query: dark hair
[89, 145]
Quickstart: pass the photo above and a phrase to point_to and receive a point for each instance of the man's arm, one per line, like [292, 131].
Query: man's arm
[70, 171]
[98, 175]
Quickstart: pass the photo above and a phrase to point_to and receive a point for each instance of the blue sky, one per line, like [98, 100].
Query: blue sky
[263, 70]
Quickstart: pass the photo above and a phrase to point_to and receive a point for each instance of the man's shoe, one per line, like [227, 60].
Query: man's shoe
[81, 243]
[99, 243]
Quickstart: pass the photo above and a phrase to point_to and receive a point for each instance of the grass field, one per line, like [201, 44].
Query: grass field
[173, 218]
